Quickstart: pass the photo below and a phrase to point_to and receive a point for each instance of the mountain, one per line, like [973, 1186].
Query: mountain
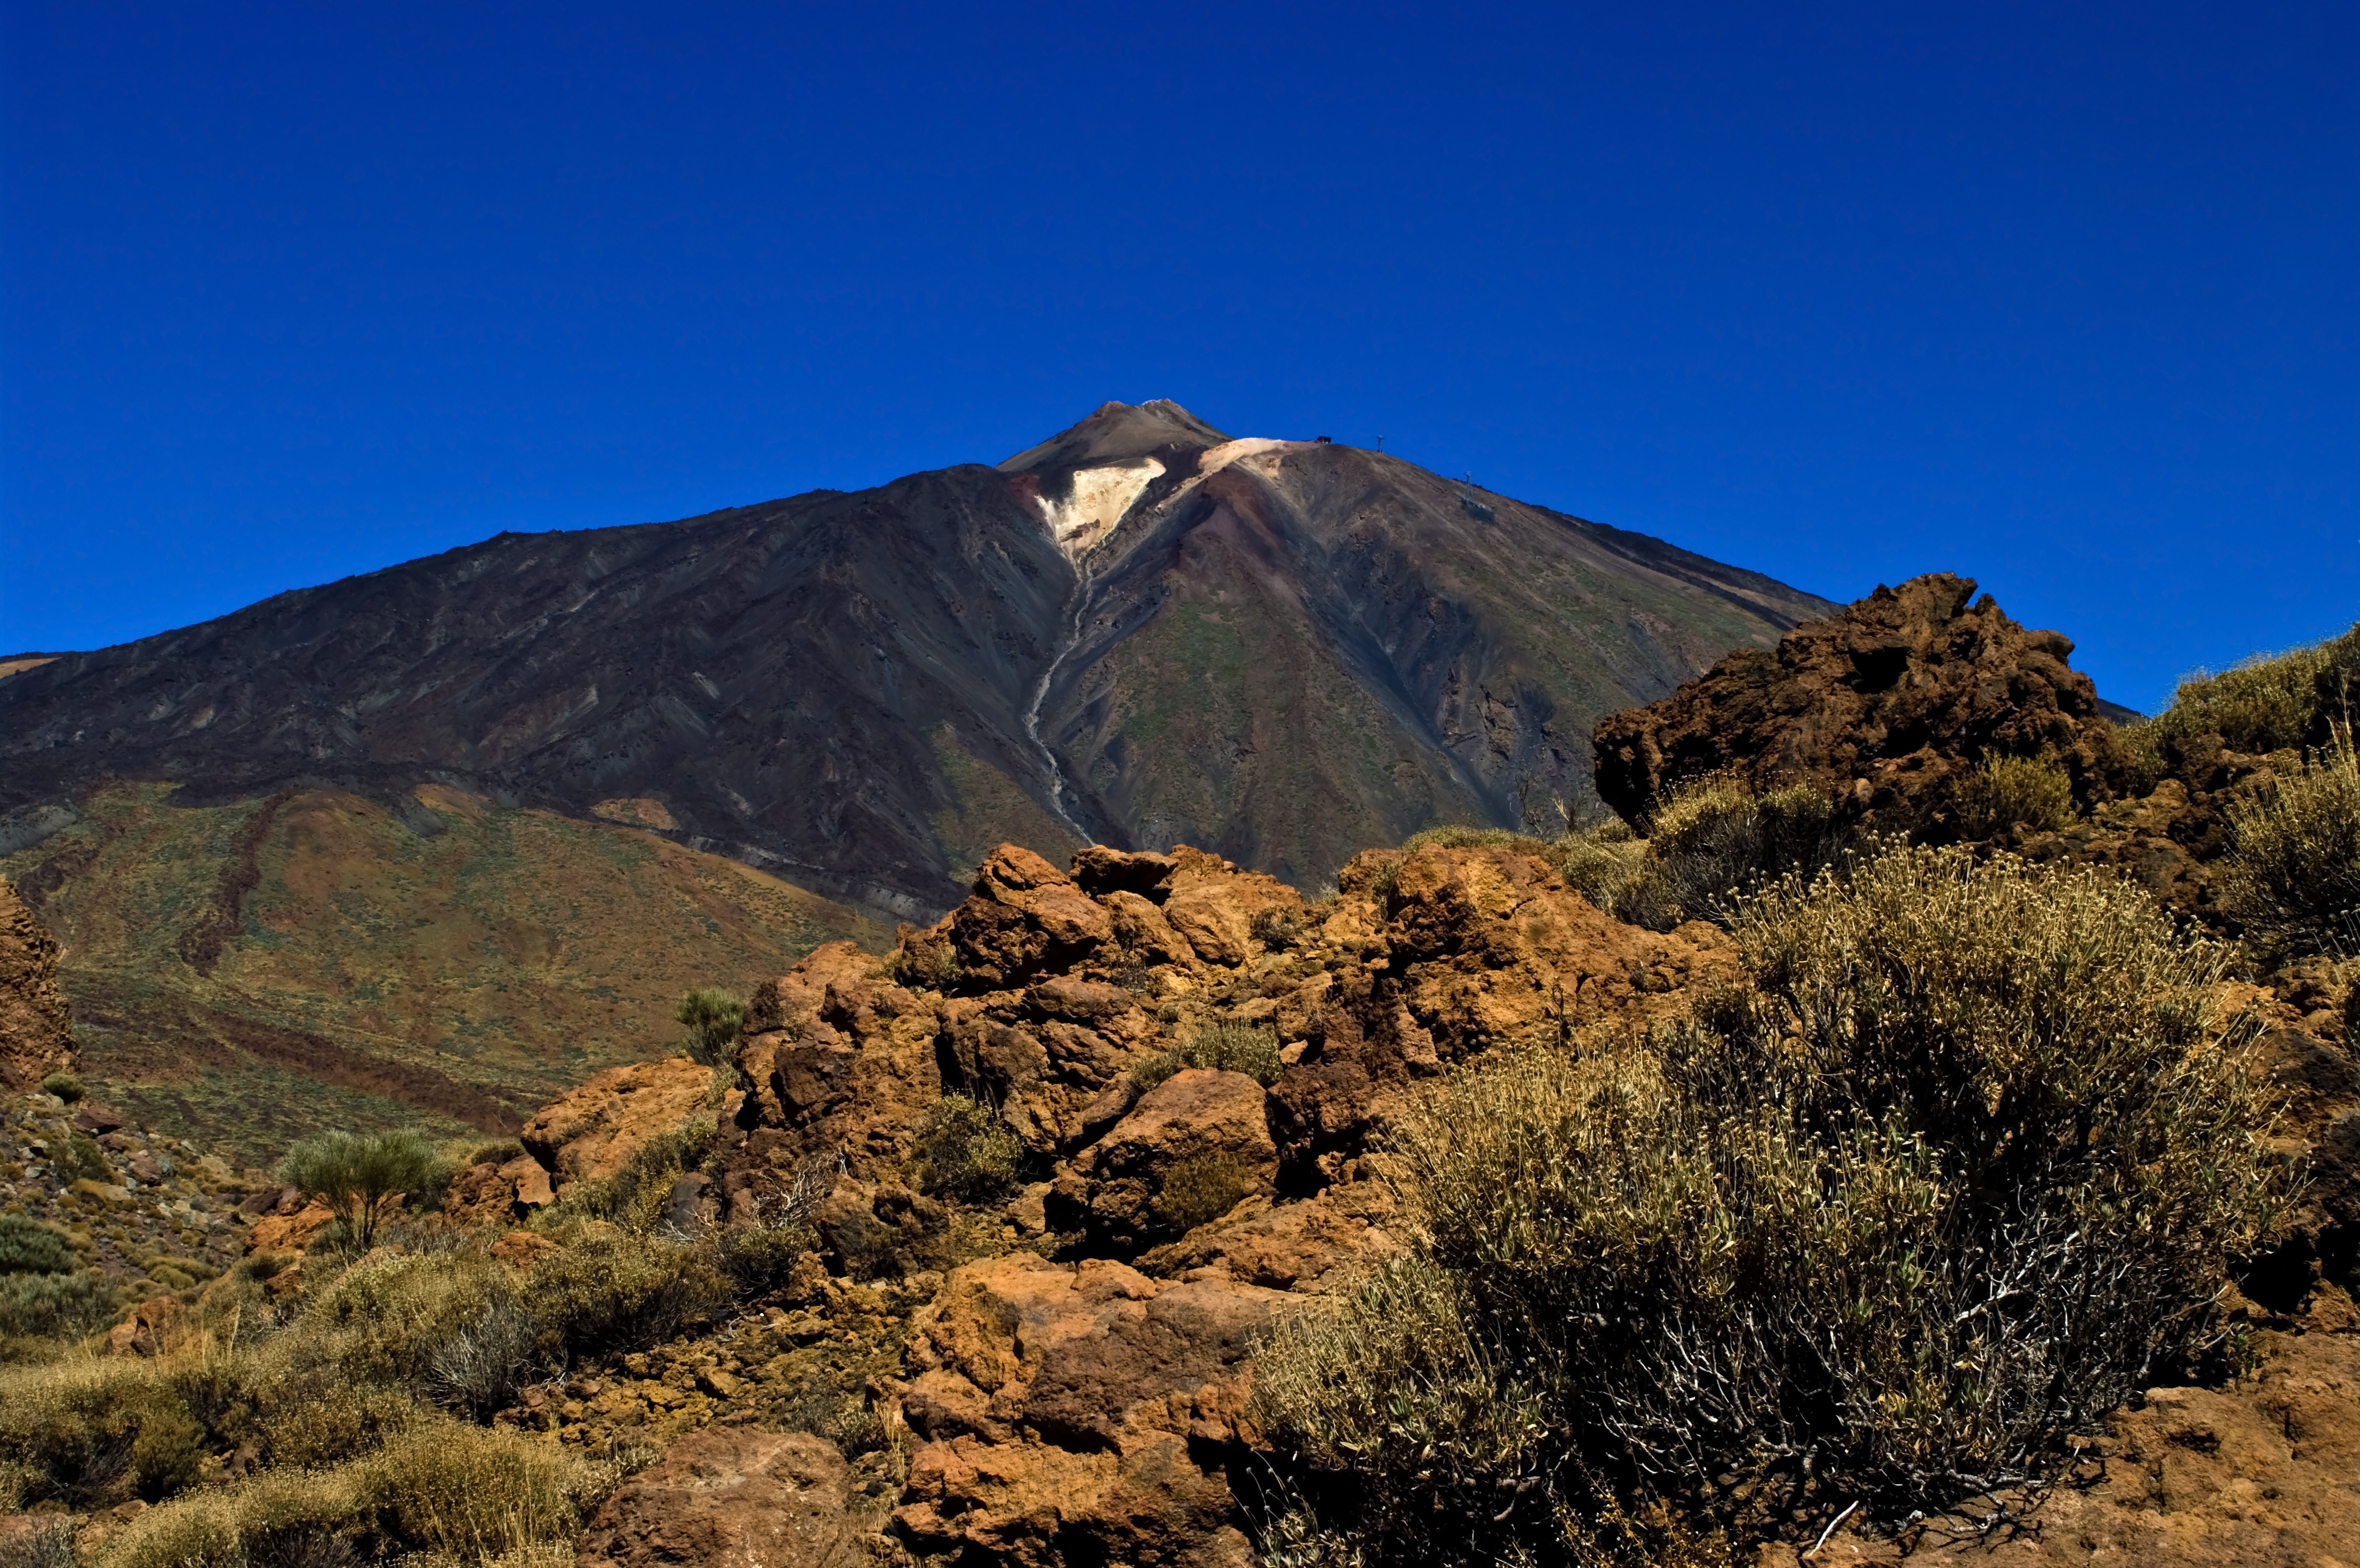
[246, 972]
[1141, 633]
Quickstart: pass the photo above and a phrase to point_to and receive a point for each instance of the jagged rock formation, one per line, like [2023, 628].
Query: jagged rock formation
[1884, 707]
[1139, 632]
[36, 1039]
[1089, 1410]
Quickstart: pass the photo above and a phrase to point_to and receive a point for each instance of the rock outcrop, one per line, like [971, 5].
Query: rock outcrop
[1089, 1410]
[1884, 707]
[36, 1039]
[1080, 1414]
[750, 1498]
[592, 1132]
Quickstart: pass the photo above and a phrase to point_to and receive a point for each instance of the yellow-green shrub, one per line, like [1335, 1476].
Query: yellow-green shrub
[1960, 1172]
[2293, 874]
[608, 1290]
[2008, 792]
[967, 1152]
[477, 1493]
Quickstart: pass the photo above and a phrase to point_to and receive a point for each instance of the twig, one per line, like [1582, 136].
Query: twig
[1831, 1527]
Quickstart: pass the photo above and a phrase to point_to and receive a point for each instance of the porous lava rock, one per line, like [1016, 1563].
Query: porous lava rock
[592, 1132]
[735, 1496]
[1088, 1413]
[1089, 1410]
[1884, 707]
[36, 1039]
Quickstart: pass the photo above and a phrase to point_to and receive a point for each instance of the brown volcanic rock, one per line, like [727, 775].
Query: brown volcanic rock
[591, 1133]
[2261, 1471]
[735, 1496]
[36, 1039]
[1884, 707]
[1112, 1186]
[1071, 1415]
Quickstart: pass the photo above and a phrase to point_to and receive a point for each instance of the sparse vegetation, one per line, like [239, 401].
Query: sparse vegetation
[968, 1153]
[2009, 791]
[1224, 1046]
[360, 1176]
[2293, 876]
[714, 1020]
[1201, 1188]
[1958, 1174]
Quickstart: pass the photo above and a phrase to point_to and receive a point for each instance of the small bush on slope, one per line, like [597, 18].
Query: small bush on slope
[2293, 876]
[1224, 1046]
[2008, 792]
[1959, 1175]
[1709, 842]
[2267, 704]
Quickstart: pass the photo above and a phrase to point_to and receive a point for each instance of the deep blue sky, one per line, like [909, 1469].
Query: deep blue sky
[2060, 297]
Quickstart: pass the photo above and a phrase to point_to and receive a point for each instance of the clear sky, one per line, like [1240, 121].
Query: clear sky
[2060, 297]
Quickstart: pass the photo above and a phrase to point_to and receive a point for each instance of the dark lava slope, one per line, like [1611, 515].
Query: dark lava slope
[1140, 631]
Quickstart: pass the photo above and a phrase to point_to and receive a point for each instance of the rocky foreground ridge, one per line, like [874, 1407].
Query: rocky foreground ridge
[1056, 1368]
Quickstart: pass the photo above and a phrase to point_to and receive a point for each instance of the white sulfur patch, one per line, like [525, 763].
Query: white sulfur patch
[1100, 497]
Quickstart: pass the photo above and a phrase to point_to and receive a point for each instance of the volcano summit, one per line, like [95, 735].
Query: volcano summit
[1141, 631]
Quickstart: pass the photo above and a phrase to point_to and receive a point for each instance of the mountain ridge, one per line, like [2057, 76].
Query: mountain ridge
[862, 691]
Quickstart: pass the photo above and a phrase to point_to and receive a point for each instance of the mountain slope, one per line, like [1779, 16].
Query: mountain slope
[1140, 631]
[248, 972]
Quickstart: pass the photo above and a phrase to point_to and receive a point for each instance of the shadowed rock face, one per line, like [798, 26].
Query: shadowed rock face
[1141, 633]
[35, 1039]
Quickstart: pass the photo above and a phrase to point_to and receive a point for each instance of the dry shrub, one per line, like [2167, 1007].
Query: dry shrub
[970, 1154]
[42, 1306]
[44, 1543]
[2270, 702]
[1709, 841]
[2293, 876]
[1201, 1188]
[1961, 1173]
[1223, 1046]
[605, 1289]
[476, 1495]
[90, 1434]
[2008, 792]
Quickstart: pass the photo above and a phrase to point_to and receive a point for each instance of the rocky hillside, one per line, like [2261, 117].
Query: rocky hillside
[1141, 633]
[967, 1254]
[243, 974]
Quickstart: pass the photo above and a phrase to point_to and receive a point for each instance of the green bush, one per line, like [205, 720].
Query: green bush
[1223, 1046]
[968, 1153]
[1956, 1175]
[360, 1176]
[65, 1086]
[54, 1305]
[2292, 876]
[1201, 1188]
[1709, 841]
[2007, 792]
[606, 1290]
[2270, 703]
[84, 1160]
[27, 1246]
[714, 1020]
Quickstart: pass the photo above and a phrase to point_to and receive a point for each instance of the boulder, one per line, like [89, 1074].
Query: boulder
[1079, 1414]
[1116, 1182]
[735, 1496]
[153, 1328]
[592, 1132]
[35, 1036]
[1884, 707]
